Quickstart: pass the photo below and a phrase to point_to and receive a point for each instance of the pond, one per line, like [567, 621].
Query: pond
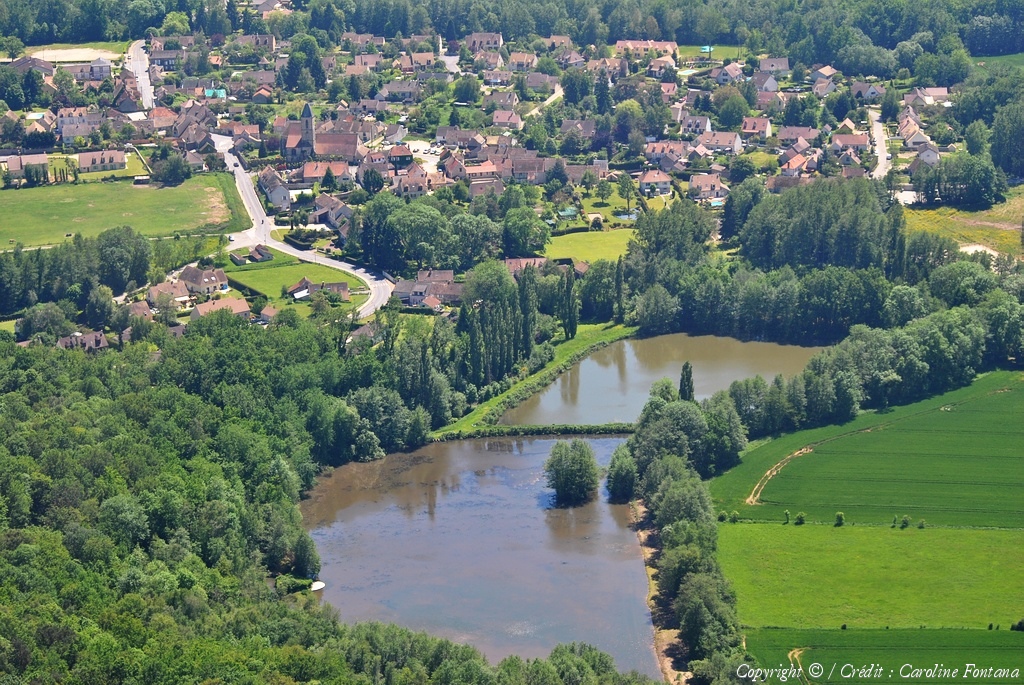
[461, 539]
[613, 383]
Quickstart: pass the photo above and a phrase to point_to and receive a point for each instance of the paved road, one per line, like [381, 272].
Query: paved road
[380, 287]
[137, 62]
[881, 149]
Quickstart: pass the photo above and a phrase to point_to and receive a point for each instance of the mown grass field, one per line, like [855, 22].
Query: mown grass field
[891, 649]
[953, 460]
[590, 246]
[997, 227]
[7, 325]
[44, 215]
[820, 576]
[284, 270]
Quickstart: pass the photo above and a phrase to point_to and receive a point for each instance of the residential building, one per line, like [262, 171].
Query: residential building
[655, 182]
[203, 281]
[236, 306]
[104, 160]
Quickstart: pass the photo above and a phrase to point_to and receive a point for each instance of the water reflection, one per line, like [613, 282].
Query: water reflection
[613, 383]
[462, 539]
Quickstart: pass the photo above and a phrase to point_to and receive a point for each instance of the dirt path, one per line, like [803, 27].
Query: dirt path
[794, 660]
[666, 642]
[755, 495]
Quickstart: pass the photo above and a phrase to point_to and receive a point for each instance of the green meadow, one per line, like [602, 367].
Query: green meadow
[953, 460]
[893, 650]
[821, 576]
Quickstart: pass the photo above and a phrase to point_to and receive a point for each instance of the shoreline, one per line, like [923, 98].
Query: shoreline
[665, 639]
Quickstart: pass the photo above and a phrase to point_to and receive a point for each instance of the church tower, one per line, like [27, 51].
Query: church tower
[308, 128]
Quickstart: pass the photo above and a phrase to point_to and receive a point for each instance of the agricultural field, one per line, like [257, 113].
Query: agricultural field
[871, 577]
[953, 460]
[45, 215]
[891, 649]
[590, 246]
[284, 271]
[998, 227]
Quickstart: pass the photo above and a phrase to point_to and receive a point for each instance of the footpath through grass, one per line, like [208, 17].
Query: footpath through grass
[954, 460]
[588, 338]
[44, 215]
[820, 576]
[893, 650]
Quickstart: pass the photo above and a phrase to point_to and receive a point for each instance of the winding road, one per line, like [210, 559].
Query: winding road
[259, 233]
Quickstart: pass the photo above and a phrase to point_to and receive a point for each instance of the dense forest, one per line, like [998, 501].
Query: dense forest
[876, 32]
[144, 496]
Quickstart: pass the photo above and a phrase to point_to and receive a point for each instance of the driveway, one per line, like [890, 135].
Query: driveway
[380, 287]
[881, 149]
[554, 96]
[137, 62]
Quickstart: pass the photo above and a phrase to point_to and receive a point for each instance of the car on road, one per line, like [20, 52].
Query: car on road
[236, 163]
[889, 156]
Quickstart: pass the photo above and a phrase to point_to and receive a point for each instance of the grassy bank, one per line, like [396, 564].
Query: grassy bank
[588, 338]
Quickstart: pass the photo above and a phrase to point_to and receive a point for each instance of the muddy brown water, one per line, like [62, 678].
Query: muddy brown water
[461, 539]
[613, 383]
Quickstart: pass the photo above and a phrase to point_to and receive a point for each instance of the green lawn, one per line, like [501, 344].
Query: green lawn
[268, 278]
[608, 209]
[953, 460]
[719, 52]
[820, 576]
[891, 649]
[590, 246]
[997, 227]
[44, 215]
[7, 325]
[133, 167]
